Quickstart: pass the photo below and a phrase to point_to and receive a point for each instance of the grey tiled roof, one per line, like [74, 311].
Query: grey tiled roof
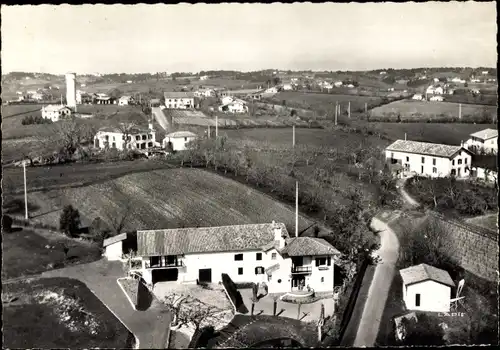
[206, 239]
[426, 148]
[485, 134]
[178, 94]
[424, 272]
[115, 239]
[304, 246]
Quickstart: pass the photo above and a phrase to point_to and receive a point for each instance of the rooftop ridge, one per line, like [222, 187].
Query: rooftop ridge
[211, 227]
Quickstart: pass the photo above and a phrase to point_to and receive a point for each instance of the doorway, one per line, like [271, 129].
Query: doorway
[205, 275]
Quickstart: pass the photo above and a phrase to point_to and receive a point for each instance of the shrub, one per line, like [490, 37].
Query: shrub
[6, 223]
[69, 221]
[98, 230]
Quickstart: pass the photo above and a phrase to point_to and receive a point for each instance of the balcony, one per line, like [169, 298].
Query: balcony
[301, 269]
[164, 265]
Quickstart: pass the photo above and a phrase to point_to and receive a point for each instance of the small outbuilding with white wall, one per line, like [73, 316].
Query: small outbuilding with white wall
[426, 288]
[178, 140]
[117, 246]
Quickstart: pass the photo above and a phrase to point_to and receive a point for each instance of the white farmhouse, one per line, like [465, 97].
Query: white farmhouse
[247, 253]
[287, 87]
[337, 84]
[55, 112]
[350, 86]
[178, 140]
[271, 90]
[486, 140]
[179, 100]
[437, 98]
[206, 92]
[227, 99]
[429, 159]
[418, 97]
[115, 247]
[125, 101]
[235, 106]
[434, 90]
[133, 138]
[426, 288]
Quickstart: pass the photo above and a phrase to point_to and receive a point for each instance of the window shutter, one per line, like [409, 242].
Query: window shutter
[317, 262]
[256, 270]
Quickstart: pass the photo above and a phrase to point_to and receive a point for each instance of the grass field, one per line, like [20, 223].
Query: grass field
[23, 243]
[318, 101]
[58, 313]
[448, 133]
[164, 199]
[413, 109]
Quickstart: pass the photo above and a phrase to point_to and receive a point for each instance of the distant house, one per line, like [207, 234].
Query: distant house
[155, 102]
[436, 80]
[485, 140]
[117, 246]
[418, 97]
[247, 253]
[475, 80]
[383, 73]
[178, 141]
[437, 98]
[337, 84]
[133, 138]
[287, 87]
[179, 100]
[129, 81]
[204, 77]
[227, 99]
[55, 112]
[429, 159]
[103, 99]
[475, 91]
[125, 100]
[205, 93]
[426, 288]
[350, 86]
[434, 90]
[235, 106]
[271, 90]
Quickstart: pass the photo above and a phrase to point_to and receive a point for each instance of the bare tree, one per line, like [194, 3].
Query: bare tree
[118, 219]
[126, 130]
[188, 310]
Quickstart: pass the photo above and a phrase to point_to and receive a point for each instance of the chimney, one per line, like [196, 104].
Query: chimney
[279, 235]
[461, 143]
[150, 126]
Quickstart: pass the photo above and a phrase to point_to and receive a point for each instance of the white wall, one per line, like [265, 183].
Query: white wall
[178, 143]
[179, 103]
[433, 296]
[443, 165]
[488, 176]
[490, 145]
[114, 251]
[117, 138]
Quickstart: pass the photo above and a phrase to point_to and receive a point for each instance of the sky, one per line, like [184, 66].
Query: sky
[247, 37]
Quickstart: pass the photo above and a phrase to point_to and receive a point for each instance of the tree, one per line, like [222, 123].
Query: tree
[276, 81]
[118, 219]
[69, 221]
[99, 230]
[126, 130]
[128, 263]
[188, 310]
[425, 331]
[7, 223]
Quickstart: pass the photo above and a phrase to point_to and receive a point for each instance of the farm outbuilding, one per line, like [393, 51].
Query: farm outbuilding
[426, 288]
[178, 141]
[115, 247]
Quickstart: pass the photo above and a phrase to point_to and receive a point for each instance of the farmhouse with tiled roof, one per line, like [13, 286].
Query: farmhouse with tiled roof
[247, 253]
[429, 159]
[486, 140]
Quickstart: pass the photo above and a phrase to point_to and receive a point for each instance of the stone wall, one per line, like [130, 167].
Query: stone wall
[476, 248]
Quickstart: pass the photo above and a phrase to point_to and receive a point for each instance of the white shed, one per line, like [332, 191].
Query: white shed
[113, 247]
[426, 288]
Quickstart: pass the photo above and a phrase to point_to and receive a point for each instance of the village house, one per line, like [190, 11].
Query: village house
[337, 84]
[287, 87]
[178, 140]
[125, 100]
[434, 90]
[55, 112]
[429, 159]
[437, 98]
[485, 140]
[205, 93]
[426, 288]
[247, 253]
[227, 99]
[103, 99]
[234, 106]
[418, 97]
[179, 99]
[271, 90]
[126, 138]
[350, 86]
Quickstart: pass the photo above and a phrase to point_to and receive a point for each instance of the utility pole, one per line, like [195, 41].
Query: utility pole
[459, 111]
[349, 109]
[293, 135]
[366, 108]
[209, 131]
[405, 136]
[25, 193]
[336, 111]
[296, 209]
[216, 126]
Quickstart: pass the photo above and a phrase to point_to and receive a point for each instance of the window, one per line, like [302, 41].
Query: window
[238, 257]
[240, 270]
[392, 155]
[150, 144]
[322, 279]
[113, 138]
[459, 161]
[465, 161]
[150, 136]
[423, 160]
[407, 159]
[453, 162]
[279, 280]
[269, 278]
[323, 261]
[417, 299]
[433, 161]
[259, 270]
[258, 256]
[434, 170]
[422, 169]
[144, 137]
[273, 256]
[185, 139]
[137, 138]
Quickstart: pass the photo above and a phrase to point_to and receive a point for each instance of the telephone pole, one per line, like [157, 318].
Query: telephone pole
[25, 193]
[459, 111]
[216, 126]
[349, 109]
[366, 107]
[293, 135]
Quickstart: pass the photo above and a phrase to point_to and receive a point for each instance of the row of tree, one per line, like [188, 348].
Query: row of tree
[37, 119]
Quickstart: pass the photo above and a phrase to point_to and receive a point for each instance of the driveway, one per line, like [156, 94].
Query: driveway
[150, 327]
[409, 201]
[308, 312]
[379, 288]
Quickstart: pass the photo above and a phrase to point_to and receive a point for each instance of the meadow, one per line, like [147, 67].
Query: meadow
[411, 109]
[165, 199]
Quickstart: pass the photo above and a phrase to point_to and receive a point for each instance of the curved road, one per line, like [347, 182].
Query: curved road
[379, 288]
